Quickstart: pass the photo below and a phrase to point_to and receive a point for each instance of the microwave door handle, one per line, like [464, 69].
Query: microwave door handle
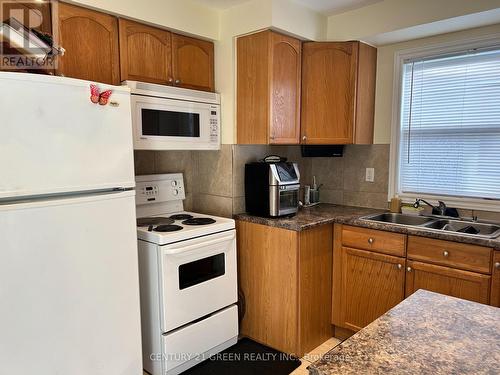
[181, 249]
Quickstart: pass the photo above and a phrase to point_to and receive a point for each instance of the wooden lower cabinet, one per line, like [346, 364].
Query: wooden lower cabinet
[373, 271]
[495, 280]
[471, 286]
[366, 284]
[286, 280]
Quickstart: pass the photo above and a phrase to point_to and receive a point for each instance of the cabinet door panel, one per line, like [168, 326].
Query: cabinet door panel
[315, 287]
[252, 91]
[285, 90]
[452, 282]
[193, 63]
[145, 53]
[267, 274]
[90, 39]
[371, 285]
[495, 280]
[328, 92]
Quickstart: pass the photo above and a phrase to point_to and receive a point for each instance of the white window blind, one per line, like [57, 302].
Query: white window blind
[450, 126]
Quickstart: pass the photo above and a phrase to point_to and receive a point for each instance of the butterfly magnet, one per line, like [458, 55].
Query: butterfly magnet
[96, 96]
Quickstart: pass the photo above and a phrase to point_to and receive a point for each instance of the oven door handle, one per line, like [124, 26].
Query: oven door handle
[181, 249]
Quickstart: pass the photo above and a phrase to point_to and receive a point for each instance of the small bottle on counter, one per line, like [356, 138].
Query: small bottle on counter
[395, 205]
[307, 195]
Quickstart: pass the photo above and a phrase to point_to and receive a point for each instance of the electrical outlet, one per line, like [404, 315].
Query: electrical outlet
[370, 174]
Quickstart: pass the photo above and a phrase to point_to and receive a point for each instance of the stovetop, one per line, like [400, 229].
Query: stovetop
[180, 226]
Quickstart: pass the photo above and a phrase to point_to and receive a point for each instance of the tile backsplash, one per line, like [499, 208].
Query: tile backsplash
[215, 179]
[343, 178]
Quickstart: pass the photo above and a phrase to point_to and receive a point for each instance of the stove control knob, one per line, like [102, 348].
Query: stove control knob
[174, 183]
[175, 192]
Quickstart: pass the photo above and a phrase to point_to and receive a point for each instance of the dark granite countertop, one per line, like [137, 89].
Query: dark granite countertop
[428, 333]
[324, 213]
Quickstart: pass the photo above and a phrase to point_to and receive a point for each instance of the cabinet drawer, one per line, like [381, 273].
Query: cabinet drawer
[454, 254]
[374, 240]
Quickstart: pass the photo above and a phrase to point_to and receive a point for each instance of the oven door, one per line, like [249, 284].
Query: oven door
[198, 277]
[284, 199]
[167, 124]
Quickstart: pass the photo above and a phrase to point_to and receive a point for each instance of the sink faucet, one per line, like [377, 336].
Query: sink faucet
[441, 209]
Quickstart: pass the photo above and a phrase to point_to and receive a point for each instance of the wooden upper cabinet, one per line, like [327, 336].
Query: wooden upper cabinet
[338, 92]
[193, 63]
[268, 89]
[467, 285]
[145, 53]
[495, 280]
[90, 39]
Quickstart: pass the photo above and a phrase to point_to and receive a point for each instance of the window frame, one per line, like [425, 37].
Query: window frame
[400, 56]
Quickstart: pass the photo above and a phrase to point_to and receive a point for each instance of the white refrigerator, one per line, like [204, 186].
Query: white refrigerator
[69, 292]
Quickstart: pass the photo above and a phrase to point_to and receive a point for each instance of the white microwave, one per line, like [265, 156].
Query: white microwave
[172, 118]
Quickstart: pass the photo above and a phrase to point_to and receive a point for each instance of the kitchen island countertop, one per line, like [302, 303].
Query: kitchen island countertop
[428, 333]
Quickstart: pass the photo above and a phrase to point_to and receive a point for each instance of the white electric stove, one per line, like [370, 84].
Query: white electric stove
[188, 278]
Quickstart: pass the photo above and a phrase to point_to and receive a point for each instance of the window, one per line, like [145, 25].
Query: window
[449, 126]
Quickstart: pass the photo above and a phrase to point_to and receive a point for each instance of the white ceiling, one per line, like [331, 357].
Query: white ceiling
[326, 7]
[329, 7]
[221, 4]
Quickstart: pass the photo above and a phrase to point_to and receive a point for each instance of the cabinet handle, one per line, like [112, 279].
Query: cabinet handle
[177, 81]
[408, 269]
[400, 266]
[445, 254]
[371, 240]
[497, 265]
[170, 79]
[304, 138]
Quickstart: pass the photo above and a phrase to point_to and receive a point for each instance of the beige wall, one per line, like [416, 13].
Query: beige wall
[385, 74]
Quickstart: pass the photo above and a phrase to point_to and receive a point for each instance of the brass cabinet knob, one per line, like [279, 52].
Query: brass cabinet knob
[170, 79]
[408, 269]
[371, 240]
[497, 265]
[177, 81]
[445, 253]
[400, 266]
[304, 137]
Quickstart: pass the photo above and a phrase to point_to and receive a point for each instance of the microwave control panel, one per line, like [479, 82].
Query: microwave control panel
[214, 124]
[160, 190]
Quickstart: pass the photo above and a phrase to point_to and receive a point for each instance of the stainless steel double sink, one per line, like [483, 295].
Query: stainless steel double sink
[459, 226]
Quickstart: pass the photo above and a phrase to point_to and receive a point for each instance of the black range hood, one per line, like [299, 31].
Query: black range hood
[322, 151]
